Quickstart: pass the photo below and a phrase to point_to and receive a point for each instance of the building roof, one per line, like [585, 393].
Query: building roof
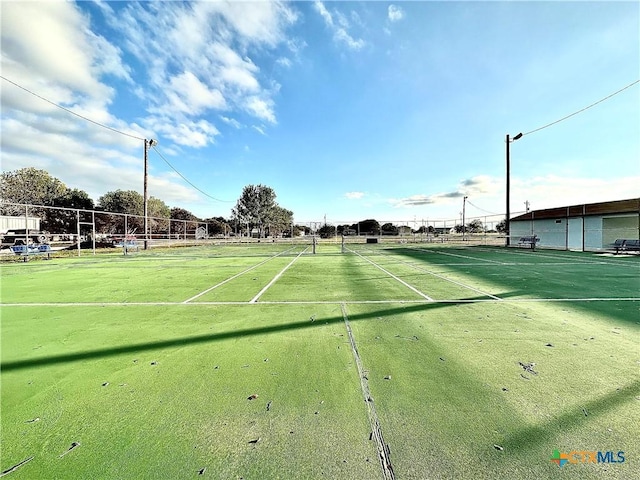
[631, 205]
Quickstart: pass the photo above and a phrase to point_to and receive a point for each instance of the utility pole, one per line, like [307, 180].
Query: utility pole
[508, 201]
[147, 144]
[526, 204]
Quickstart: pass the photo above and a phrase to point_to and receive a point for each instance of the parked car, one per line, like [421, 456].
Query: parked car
[19, 237]
[118, 240]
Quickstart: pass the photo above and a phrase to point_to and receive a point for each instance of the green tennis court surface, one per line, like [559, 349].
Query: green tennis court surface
[386, 361]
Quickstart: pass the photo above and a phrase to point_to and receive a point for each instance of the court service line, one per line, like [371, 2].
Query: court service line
[442, 277]
[236, 276]
[504, 264]
[319, 302]
[538, 254]
[275, 279]
[410, 287]
[558, 255]
[457, 255]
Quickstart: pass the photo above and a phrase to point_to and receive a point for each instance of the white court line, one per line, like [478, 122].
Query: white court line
[539, 254]
[442, 277]
[325, 302]
[274, 279]
[504, 264]
[236, 276]
[394, 277]
[457, 255]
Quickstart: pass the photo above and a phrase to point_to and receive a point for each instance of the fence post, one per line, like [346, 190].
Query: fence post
[78, 229]
[93, 231]
[26, 226]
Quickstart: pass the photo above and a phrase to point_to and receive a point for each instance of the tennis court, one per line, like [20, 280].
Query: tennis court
[268, 361]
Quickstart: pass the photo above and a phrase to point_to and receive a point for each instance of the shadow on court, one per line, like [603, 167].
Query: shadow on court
[193, 340]
[570, 418]
[546, 280]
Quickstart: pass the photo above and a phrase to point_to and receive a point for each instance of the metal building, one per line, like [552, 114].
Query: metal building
[586, 227]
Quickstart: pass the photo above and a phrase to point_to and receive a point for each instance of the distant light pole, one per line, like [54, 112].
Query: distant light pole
[507, 228]
[147, 144]
[464, 203]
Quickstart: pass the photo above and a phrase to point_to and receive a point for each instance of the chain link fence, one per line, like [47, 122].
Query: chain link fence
[79, 229]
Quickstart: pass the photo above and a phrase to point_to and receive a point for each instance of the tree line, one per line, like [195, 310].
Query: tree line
[373, 227]
[255, 210]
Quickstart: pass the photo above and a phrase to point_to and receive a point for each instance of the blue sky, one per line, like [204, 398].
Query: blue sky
[386, 110]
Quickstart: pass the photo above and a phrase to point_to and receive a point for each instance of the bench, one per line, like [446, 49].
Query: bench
[626, 245]
[27, 250]
[528, 241]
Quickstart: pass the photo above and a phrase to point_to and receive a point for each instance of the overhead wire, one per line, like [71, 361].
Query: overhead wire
[70, 111]
[482, 209]
[582, 109]
[187, 180]
[116, 131]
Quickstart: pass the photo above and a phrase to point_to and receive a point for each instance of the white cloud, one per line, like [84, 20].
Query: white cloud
[107, 58]
[190, 133]
[258, 129]
[213, 43]
[171, 189]
[258, 22]
[187, 94]
[554, 191]
[341, 35]
[261, 108]
[486, 195]
[285, 62]
[339, 27]
[324, 13]
[232, 69]
[354, 195]
[479, 186]
[395, 13]
[54, 41]
[231, 121]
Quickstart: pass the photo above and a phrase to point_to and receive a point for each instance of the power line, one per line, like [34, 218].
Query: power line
[113, 130]
[186, 180]
[482, 209]
[583, 109]
[70, 111]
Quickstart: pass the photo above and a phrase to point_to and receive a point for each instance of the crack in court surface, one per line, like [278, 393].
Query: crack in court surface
[376, 431]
